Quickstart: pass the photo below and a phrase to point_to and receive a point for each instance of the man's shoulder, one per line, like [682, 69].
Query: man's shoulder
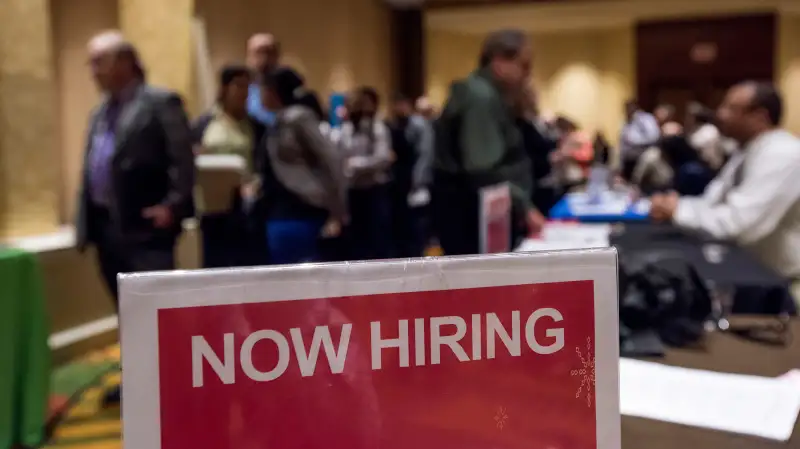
[471, 93]
[783, 145]
[299, 115]
[161, 94]
[479, 89]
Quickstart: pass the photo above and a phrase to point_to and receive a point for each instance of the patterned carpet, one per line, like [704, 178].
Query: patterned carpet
[78, 389]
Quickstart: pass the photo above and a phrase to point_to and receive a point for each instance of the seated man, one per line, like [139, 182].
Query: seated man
[755, 200]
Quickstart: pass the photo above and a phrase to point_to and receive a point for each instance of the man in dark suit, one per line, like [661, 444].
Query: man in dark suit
[139, 169]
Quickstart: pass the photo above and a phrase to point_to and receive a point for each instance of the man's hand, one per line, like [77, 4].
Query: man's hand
[535, 221]
[160, 215]
[663, 206]
[332, 228]
[249, 190]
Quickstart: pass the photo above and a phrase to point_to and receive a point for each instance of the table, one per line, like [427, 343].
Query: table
[757, 288]
[604, 212]
[24, 352]
[724, 353]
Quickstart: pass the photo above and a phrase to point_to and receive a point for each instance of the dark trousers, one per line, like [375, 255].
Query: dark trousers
[408, 224]
[628, 165]
[370, 234]
[455, 218]
[232, 239]
[117, 254]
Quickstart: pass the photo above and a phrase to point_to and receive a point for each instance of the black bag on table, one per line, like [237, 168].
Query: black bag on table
[662, 301]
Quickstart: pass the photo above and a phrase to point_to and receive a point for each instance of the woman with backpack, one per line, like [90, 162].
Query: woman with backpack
[304, 190]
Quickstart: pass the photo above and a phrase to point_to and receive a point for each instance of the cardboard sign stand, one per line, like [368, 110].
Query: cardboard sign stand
[495, 219]
[487, 352]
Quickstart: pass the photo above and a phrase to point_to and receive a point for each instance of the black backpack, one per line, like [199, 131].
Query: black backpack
[662, 299]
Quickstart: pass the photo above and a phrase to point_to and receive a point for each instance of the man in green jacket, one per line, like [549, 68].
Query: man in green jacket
[478, 144]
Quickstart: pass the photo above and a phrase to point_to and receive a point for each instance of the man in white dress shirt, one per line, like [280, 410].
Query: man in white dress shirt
[755, 200]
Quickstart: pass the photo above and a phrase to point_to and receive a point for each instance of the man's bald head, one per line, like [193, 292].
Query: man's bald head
[263, 52]
[107, 42]
[114, 61]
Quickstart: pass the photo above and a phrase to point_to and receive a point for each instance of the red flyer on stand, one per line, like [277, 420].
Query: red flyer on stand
[513, 351]
[495, 219]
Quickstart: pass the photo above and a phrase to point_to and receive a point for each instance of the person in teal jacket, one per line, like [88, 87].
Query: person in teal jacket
[478, 144]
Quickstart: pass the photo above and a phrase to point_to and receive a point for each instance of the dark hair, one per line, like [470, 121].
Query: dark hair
[128, 51]
[766, 96]
[228, 74]
[565, 125]
[701, 114]
[502, 44]
[369, 93]
[231, 72]
[287, 84]
[667, 107]
[310, 99]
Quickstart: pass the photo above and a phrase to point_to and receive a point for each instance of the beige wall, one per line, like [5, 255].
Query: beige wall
[587, 75]
[584, 75]
[74, 23]
[162, 32]
[28, 157]
[337, 45]
[788, 71]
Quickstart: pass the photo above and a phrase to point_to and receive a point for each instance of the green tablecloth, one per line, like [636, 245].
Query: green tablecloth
[24, 353]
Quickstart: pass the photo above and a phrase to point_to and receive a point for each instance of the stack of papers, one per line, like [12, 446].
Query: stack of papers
[218, 177]
[560, 236]
[608, 203]
[751, 405]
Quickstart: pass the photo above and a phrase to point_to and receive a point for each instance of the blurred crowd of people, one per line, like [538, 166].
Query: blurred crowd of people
[363, 185]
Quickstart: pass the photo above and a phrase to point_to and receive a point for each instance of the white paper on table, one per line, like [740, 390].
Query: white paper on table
[595, 234]
[751, 405]
[528, 245]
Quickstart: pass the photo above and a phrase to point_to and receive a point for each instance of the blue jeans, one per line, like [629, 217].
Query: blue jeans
[293, 241]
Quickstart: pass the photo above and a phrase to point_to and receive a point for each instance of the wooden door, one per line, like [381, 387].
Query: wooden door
[698, 60]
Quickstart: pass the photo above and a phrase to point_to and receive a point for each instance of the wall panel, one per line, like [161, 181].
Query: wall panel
[74, 23]
[28, 156]
[337, 45]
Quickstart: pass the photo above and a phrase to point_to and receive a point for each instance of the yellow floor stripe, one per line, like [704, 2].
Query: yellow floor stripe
[105, 444]
[92, 395]
[88, 430]
[112, 380]
[113, 352]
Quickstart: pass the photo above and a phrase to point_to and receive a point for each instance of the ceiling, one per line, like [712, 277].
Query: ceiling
[457, 3]
[480, 17]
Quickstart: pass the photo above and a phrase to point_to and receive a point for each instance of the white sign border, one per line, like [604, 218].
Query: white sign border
[142, 295]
